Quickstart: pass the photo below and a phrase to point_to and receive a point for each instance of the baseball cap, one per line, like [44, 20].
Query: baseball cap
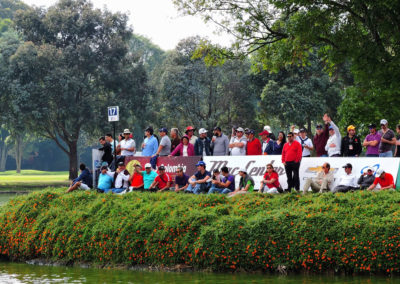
[202, 131]
[296, 131]
[265, 132]
[384, 121]
[147, 165]
[331, 127]
[243, 170]
[189, 128]
[268, 128]
[379, 172]
[251, 131]
[161, 168]
[246, 130]
[163, 129]
[348, 165]
[217, 128]
[240, 129]
[351, 127]
[318, 126]
[200, 163]
[302, 130]
[372, 125]
[103, 168]
[121, 164]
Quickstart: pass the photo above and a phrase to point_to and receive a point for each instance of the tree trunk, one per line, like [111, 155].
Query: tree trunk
[18, 152]
[3, 157]
[73, 159]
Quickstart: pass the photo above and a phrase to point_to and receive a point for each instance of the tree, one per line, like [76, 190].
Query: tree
[74, 62]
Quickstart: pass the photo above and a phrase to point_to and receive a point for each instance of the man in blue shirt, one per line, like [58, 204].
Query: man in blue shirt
[150, 143]
[105, 180]
[84, 181]
[200, 181]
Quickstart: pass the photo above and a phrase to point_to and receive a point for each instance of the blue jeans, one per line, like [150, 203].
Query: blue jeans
[222, 190]
[386, 154]
[198, 188]
[117, 190]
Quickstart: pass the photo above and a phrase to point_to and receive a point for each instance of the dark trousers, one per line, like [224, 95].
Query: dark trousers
[292, 173]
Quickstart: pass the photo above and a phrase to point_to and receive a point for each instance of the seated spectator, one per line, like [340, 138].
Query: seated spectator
[372, 141]
[305, 142]
[162, 182]
[267, 146]
[215, 179]
[136, 179]
[181, 180]
[164, 149]
[253, 146]
[184, 149]
[127, 145]
[226, 185]
[322, 182]
[246, 184]
[385, 180]
[348, 181]
[219, 143]
[148, 176]
[334, 141]
[270, 182]
[105, 182]
[279, 143]
[366, 179]
[189, 132]
[238, 145]
[351, 144]
[107, 151]
[121, 178]
[200, 181]
[150, 143]
[83, 181]
[202, 144]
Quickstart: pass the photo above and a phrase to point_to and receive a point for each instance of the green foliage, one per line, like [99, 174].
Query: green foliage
[354, 232]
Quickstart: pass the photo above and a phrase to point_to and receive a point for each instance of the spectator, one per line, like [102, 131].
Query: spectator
[150, 143]
[279, 143]
[136, 179]
[334, 141]
[267, 146]
[366, 179]
[322, 182]
[148, 176]
[291, 158]
[372, 141]
[385, 180]
[120, 138]
[246, 184]
[233, 137]
[388, 139]
[219, 143]
[253, 145]
[202, 144]
[320, 138]
[127, 145]
[296, 132]
[164, 149]
[226, 185]
[109, 139]
[162, 182]
[397, 150]
[199, 182]
[305, 142]
[215, 180]
[83, 181]
[270, 182]
[107, 151]
[189, 132]
[105, 182]
[181, 180]
[269, 129]
[238, 146]
[184, 149]
[246, 133]
[121, 178]
[348, 181]
[351, 144]
[176, 140]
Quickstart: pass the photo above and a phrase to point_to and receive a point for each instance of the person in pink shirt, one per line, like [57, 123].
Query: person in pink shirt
[184, 149]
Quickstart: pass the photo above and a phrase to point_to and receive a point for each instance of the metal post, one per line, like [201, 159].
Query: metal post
[115, 149]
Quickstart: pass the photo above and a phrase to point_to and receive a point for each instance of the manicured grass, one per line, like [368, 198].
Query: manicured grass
[32, 179]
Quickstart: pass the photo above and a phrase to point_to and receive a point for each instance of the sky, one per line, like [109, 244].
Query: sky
[158, 20]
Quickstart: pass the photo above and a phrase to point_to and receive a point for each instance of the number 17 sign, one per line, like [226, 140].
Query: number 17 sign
[113, 113]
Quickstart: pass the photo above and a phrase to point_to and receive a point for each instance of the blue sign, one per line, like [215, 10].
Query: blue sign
[113, 113]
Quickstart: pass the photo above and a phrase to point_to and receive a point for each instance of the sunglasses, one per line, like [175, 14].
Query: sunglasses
[290, 136]
[178, 172]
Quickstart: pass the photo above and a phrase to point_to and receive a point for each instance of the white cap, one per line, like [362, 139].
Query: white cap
[268, 128]
[384, 121]
[243, 170]
[296, 131]
[379, 172]
[126, 131]
[202, 131]
[148, 165]
[240, 129]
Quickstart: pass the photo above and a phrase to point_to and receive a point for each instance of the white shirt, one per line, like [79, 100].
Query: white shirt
[334, 139]
[128, 144]
[306, 141]
[237, 151]
[348, 180]
[121, 181]
[184, 151]
[193, 139]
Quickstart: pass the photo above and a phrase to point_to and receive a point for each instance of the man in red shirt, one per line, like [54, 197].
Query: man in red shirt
[253, 144]
[162, 182]
[385, 180]
[291, 158]
[136, 179]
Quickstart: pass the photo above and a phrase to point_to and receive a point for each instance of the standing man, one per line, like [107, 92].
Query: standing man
[176, 140]
[267, 146]
[320, 139]
[372, 141]
[219, 143]
[127, 145]
[189, 132]
[238, 145]
[253, 146]
[348, 181]
[107, 151]
[150, 143]
[351, 144]
[110, 140]
[202, 144]
[165, 143]
[388, 139]
[305, 142]
[334, 141]
[322, 182]
[291, 158]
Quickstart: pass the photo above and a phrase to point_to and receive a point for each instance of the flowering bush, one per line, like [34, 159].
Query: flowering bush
[353, 232]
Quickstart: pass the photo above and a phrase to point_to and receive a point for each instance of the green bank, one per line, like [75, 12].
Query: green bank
[29, 180]
[344, 233]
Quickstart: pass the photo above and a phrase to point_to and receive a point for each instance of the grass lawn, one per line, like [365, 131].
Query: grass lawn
[31, 179]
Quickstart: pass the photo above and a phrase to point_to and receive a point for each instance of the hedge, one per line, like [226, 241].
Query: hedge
[347, 233]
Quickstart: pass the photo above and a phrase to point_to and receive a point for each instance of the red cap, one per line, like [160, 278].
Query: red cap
[189, 128]
[265, 132]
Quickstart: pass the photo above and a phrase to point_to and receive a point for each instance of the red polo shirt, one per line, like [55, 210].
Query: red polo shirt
[386, 181]
[137, 180]
[292, 152]
[253, 147]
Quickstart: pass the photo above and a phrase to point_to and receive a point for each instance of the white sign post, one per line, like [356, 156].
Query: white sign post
[113, 113]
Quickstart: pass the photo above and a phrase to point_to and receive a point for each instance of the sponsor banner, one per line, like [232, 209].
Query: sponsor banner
[309, 167]
[170, 163]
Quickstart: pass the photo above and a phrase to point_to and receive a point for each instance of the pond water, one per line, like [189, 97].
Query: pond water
[26, 273]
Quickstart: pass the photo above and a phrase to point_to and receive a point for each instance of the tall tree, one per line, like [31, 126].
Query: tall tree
[74, 63]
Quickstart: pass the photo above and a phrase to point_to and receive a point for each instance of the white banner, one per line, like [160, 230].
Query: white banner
[309, 167]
